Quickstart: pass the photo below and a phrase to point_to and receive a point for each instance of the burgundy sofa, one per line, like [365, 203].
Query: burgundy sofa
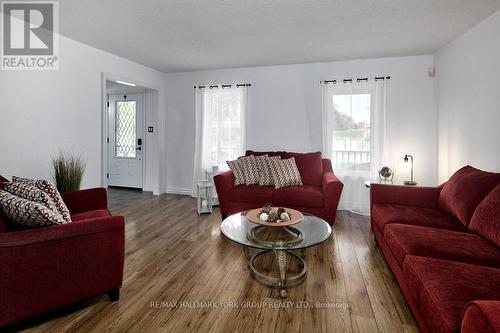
[319, 196]
[443, 245]
[44, 268]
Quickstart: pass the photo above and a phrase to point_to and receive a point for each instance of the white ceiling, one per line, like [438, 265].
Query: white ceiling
[185, 35]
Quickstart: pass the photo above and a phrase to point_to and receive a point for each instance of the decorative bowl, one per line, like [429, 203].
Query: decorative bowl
[295, 217]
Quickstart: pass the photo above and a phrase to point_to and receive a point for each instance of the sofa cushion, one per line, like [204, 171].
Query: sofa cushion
[285, 173]
[481, 316]
[92, 214]
[252, 193]
[269, 153]
[406, 240]
[463, 192]
[486, 218]
[441, 289]
[388, 213]
[4, 227]
[310, 166]
[305, 196]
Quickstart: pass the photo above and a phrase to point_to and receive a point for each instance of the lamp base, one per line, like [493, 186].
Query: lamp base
[410, 182]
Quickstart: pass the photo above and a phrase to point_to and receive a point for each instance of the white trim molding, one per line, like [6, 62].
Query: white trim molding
[175, 190]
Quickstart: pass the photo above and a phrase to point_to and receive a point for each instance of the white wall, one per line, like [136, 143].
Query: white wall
[42, 112]
[290, 96]
[468, 99]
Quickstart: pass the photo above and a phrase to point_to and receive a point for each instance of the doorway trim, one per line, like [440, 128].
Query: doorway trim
[147, 143]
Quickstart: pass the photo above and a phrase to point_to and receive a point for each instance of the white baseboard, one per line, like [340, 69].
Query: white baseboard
[176, 190]
[147, 188]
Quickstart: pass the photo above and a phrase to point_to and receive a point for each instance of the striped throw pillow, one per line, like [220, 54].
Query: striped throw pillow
[264, 169]
[250, 170]
[285, 173]
[236, 167]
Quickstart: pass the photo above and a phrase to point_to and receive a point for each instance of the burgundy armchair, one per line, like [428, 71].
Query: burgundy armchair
[319, 196]
[44, 268]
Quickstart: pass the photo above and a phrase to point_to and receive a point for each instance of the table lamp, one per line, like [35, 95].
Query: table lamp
[411, 181]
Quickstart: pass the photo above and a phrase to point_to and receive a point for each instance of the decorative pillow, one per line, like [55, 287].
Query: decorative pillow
[310, 166]
[51, 190]
[31, 192]
[236, 167]
[250, 170]
[486, 218]
[285, 173]
[463, 192]
[26, 213]
[264, 169]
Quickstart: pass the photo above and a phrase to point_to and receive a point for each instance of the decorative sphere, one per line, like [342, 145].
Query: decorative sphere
[285, 217]
[385, 172]
[264, 217]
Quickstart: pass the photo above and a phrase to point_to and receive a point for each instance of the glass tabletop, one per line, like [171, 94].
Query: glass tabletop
[308, 232]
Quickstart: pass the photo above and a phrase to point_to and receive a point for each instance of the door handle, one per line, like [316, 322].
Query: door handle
[139, 142]
[138, 148]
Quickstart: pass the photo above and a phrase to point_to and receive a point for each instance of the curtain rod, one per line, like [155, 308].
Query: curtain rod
[223, 86]
[363, 79]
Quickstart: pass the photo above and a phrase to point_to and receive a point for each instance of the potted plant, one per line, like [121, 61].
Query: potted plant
[68, 171]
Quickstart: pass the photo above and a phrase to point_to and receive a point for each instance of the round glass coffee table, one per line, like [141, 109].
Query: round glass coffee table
[282, 241]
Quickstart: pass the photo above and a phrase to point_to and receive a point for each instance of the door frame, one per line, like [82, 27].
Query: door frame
[139, 135]
[147, 143]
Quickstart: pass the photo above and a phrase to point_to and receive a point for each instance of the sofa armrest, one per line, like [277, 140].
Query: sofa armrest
[86, 200]
[332, 189]
[58, 232]
[331, 186]
[224, 182]
[425, 197]
[44, 268]
[481, 316]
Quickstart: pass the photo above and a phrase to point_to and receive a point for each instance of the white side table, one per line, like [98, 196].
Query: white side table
[209, 175]
[204, 192]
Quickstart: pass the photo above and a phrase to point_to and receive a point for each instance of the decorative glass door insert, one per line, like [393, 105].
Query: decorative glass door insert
[126, 126]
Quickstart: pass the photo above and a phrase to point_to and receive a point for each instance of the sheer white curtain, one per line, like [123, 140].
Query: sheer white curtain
[220, 128]
[354, 135]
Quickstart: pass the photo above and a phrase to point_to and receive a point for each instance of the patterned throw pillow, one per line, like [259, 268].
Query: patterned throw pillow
[51, 190]
[26, 213]
[285, 173]
[264, 169]
[31, 192]
[250, 170]
[236, 167]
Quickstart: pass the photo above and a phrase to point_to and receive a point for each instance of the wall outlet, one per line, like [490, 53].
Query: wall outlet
[150, 129]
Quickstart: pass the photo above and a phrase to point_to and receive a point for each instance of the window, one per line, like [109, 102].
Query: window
[351, 131]
[354, 136]
[223, 112]
[220, 128]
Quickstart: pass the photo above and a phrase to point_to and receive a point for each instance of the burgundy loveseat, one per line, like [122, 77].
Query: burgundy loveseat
[44, 268]
[443, 245]
[319, 196]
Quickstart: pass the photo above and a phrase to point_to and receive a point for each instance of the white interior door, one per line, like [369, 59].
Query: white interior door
[126, 144]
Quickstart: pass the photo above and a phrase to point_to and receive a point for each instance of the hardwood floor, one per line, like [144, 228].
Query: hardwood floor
[120, 197]
[175, 256]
